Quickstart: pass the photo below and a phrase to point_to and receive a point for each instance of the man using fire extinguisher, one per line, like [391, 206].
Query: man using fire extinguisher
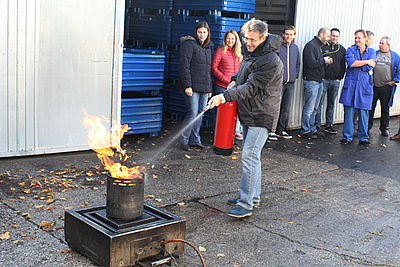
[257, 89]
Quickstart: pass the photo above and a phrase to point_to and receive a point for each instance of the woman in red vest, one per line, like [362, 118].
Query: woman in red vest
[226, 62]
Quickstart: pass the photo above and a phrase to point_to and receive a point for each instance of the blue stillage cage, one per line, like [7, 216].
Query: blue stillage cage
[143, 70]
[142, 114]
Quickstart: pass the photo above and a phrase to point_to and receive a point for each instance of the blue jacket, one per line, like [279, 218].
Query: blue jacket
[290, 57]
[358, 84]
[395, 65]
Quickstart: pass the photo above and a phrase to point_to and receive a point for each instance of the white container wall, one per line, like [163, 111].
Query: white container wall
[348, 16]
[57, 58]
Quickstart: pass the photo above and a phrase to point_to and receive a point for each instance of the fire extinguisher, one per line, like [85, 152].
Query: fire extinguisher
[225, 128]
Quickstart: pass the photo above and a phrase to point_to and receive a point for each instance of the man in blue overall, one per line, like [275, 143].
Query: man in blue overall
[357, 89]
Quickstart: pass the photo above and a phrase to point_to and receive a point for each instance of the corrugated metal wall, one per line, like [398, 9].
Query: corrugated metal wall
[57, 57]
[311, 15]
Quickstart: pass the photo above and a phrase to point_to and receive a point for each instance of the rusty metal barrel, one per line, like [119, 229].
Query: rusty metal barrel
[125, 198]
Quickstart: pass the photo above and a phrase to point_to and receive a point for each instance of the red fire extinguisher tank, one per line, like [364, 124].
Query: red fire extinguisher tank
[225, 129]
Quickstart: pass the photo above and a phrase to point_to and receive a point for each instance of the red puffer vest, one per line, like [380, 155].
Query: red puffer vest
[223, 66]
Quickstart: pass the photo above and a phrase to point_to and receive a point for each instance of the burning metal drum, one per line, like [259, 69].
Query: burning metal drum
[125, 197]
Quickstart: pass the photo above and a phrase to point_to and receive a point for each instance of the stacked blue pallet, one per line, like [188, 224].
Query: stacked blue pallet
[142, 81]
[150, 23]
[244, 6]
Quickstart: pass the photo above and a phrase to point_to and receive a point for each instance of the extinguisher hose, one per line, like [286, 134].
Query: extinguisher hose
[188, 243]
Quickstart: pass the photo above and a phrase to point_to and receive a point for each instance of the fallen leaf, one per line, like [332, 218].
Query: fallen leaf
[233, 157]
[68, 208]
[330, 155]
[12, 189]
[290, 222]
[305, 190]
[62, 198]
[149, 196]
[21, 198]
[16, 241]
[190, 170]
[158, 199]
[154, 176]
[67, 250]
[26, 191]
[23, 234]
[50, 200]
[46, 225]
[21, 184]
[26, 215]
[5, 236]
[187, 156]
[280, 218]
[220, 255]
[202, 249]
[181, 204]
[383, 145]
[89, 179]
[14, 225]
[295, 172]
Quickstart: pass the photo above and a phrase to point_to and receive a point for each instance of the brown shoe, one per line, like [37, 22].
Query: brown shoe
[395, 137]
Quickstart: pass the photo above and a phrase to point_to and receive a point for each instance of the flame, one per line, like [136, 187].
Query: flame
[100, 140]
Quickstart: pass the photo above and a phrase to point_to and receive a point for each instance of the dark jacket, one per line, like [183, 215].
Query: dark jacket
[313, 61]
[290, 56]
[195, 65]
[336, 70]
[259, 85]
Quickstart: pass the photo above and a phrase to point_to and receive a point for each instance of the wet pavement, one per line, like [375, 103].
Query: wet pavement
[323, 204]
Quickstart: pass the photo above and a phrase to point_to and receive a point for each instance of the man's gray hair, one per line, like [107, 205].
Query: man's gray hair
[388, 39]
[255, 25]
[323, 30]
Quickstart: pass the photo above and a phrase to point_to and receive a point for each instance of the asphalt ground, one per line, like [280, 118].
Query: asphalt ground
[323, 204]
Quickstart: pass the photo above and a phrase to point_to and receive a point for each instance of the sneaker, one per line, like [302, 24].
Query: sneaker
[199, 146]
[272, 137]
[238, 136]
[330, 130]
[395, 137]
[185, 147]
[344, 142]
[310, 135]
[239, 212]
[233, 202]
[365, 143]
[385, 133]
[284, 135]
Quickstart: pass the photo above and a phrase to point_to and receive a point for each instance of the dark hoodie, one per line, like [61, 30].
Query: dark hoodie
[195, 65]
[259, 85]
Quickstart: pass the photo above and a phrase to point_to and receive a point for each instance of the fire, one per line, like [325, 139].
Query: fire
[106, 145]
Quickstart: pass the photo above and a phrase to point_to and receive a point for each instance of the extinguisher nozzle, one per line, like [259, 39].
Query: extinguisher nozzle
[206, 108]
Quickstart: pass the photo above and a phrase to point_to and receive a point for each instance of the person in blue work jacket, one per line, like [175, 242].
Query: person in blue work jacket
[357, 91]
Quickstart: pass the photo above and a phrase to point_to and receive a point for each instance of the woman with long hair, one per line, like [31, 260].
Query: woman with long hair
[195, 80]
[226, 62]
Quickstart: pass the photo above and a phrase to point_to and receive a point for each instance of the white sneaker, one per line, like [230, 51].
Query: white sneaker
[284, 135]
[272, 137]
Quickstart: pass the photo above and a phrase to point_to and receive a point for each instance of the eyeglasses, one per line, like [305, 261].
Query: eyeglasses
[251, 40]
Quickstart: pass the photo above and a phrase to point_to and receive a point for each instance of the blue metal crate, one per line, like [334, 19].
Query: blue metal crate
[246, 6]
[183, 25]
[143, 115]
[150, 29]
[159, 4]
[142, 70]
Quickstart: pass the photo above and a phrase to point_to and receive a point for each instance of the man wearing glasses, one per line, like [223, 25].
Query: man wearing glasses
[257, 89]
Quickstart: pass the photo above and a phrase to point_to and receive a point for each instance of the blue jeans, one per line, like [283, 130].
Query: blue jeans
[194, 105]
[331, 89]
[312, 96]
[287, 95]
[254, 139]
[362, 128]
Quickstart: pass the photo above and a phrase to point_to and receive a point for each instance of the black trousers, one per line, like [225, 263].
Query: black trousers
[383, 94]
